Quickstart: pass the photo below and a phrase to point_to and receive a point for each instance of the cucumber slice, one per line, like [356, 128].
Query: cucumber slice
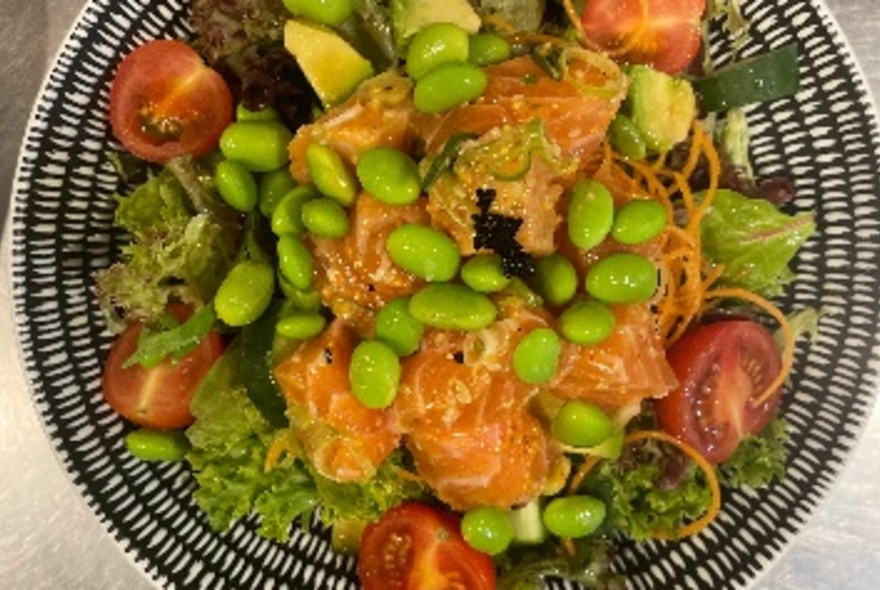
[761, 78]
[528, 525]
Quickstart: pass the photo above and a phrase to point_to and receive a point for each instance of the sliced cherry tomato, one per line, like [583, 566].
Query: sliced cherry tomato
[664, 34]
[157, 397]
[165, 102]
[417, 547]
[722, 368]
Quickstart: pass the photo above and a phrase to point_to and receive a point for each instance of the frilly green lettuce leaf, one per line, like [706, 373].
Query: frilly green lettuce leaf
[754, 241]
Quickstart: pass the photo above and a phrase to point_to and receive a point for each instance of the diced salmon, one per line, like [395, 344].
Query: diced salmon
[577, 108]
[626, 368]
[354, 274]
[377, 115]
[526, 172]
[342, 438]
[465, 418]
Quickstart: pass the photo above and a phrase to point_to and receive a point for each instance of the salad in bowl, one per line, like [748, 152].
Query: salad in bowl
[483, 291]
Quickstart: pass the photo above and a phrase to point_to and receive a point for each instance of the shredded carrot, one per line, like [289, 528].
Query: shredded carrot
[408, 475]
[498, 23]
[282, 445]
[574, 18]
[787, 335]
[712, 479]
[583, 471]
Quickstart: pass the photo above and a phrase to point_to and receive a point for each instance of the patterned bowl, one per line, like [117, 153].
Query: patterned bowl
[826, 137]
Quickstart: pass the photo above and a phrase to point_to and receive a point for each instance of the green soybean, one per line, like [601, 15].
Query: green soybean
[328, 12]
[426, 252]
[487, 529]
[295, 262]
[259, 146]
[245, 293]
[242, 113]
[484, 273]
[487, 49]
[330, 174]
[449, 86]
[396, 327]
[624, 277]
[590, 214]
[639, 221]
[272, 188]
[626, 139]
[374, 374]
[325, 218]
[581, 424]
[435, 45]
[555, 279]
[572, 517]
[389, 175]
[587, 323]
[148, 444]
[287, 214]
[236, 185]
[301, 299]
[450, 306]
[301, 325]
[536, 356]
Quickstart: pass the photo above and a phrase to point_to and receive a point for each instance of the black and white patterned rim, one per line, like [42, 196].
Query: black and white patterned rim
[827, 138]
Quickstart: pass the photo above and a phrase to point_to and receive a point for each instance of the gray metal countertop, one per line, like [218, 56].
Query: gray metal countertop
[50, 539]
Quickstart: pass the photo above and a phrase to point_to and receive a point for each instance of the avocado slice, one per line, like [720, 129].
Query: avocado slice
[410, 16]
[332, 66]
[663, 108]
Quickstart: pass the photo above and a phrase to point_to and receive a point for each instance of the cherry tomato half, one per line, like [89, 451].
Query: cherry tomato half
[721, 367]
[157, 397]
[664, 34]
[414, 547]
[165, 102]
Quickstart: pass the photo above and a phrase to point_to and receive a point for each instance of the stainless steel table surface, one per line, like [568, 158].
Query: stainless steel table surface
[49, 538]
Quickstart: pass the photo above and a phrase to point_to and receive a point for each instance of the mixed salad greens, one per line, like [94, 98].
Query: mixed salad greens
[481, 286]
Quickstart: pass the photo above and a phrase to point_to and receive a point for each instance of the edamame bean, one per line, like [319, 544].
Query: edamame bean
[449, 306]
[639, 221]
[487, 49]
[483, 273]
[302, 299]
[287, 215]
[449, 86]
[389, 175]
[148, 444]
[572, 517]
[295, 262]
[245, 293]
[330, 174]
[435, 45]
[536, 356]
[325, 218]
[259, 146]
[374, 374]
[272, 188]
[329, 12]
[581, 424]
[487, 529]
[242, 113]
[626, 139]
[590, 214]
[555, 279]
[623, 277]
[587, 323]
[301, 325]
[236, 185]
[424, 251]
[396, 327]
